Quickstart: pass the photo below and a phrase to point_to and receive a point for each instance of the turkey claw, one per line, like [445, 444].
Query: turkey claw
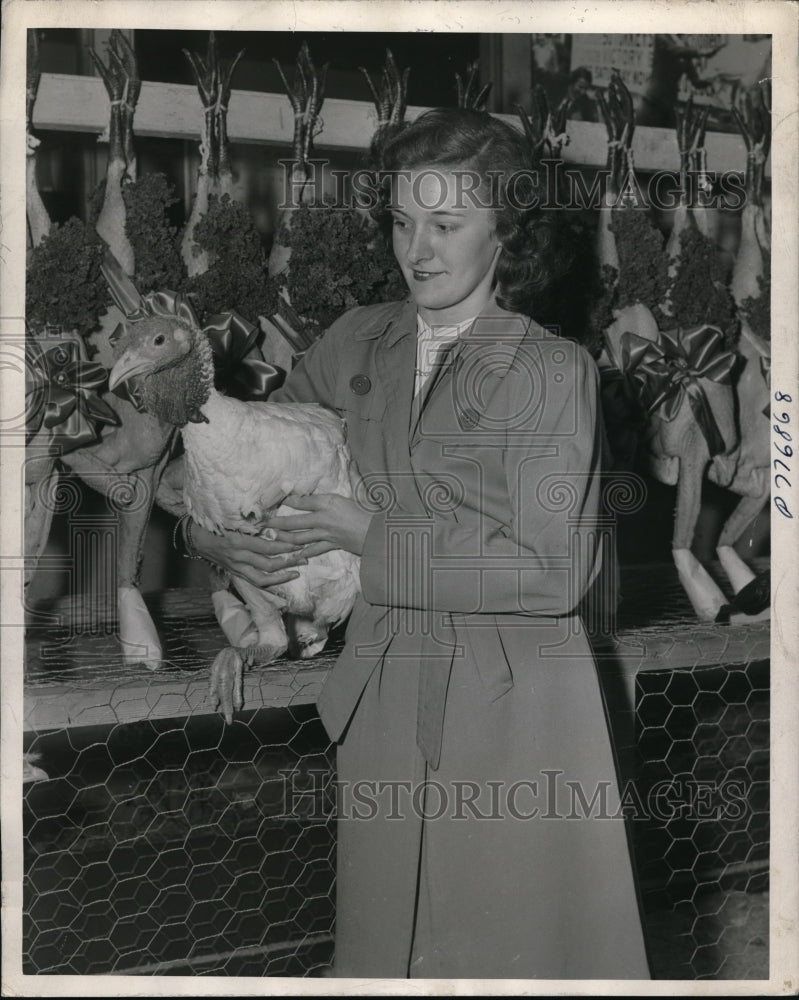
[226, 684]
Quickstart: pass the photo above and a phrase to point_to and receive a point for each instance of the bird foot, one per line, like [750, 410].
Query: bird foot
[264, 653]
[226, 683]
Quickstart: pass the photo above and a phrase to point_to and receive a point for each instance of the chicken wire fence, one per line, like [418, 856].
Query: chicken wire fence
[164, 848]
[162, 842]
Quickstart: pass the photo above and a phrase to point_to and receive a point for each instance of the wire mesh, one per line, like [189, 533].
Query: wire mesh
[163, 847]
[160, 841]
[705, 732]
[700, 773]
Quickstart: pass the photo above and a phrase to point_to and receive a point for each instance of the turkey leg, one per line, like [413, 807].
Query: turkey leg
[703, 592]
[266, 611]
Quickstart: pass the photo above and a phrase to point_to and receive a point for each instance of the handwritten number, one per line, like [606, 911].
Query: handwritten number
[787, 452]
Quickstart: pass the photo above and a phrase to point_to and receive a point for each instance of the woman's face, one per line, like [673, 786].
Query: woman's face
[444, 242]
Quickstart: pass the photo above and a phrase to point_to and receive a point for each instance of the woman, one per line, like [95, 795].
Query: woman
[473, 745]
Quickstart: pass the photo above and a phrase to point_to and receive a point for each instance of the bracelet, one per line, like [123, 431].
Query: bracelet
[190, 547]
[176, 529]
[188, 543]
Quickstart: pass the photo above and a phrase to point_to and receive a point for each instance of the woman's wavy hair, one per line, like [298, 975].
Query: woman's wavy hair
[476, 141]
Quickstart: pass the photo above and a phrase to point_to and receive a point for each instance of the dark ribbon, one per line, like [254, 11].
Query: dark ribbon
[240, 370]
[61, 395]
[669, 369]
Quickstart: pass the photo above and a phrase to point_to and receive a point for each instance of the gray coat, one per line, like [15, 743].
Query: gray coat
[482, 543]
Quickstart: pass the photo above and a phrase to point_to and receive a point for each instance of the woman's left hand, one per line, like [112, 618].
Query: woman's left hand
[332, 522]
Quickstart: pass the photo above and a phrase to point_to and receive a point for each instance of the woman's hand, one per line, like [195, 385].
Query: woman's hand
[262, 561]
[331, 522]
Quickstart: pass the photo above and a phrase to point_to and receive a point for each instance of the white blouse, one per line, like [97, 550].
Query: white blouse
[429, 342]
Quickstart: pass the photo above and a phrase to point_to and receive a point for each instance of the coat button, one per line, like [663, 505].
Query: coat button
[360, 384]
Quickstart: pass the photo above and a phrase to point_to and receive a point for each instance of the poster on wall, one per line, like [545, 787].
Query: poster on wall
[662, 70]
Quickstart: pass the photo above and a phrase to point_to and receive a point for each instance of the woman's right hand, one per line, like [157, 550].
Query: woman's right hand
[262, 561]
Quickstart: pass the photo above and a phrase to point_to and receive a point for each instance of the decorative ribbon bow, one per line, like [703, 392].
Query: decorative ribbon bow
[61, 394]
[670, 368]
[240, 370]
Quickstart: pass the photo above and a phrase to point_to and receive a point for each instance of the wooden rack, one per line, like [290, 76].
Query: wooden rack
[69, 103]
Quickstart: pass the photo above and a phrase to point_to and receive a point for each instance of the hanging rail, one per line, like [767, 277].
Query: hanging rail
[68, 103]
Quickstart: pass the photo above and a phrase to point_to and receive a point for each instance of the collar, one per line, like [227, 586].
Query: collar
[444, 331]
[493, 324]
[398, 317]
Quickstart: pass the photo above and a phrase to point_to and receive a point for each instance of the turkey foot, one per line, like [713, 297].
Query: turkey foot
[226, 688]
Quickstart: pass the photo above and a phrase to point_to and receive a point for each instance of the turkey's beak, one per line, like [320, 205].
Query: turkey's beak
[127, 366]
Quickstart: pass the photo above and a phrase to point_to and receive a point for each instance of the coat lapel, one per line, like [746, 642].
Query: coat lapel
[487, 347]
[483, 355]
[395, 362]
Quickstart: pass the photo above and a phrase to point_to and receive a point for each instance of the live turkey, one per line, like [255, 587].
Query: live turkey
[242, 459]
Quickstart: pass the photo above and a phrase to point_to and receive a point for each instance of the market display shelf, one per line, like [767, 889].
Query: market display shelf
[75, 675]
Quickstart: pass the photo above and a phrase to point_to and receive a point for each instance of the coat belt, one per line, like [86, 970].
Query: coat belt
[435, 671]
[438, 651]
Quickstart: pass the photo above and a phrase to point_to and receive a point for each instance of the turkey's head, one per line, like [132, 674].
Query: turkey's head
[167, 365]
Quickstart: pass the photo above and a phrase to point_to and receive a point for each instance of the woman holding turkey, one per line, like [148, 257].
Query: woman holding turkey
[479, 827]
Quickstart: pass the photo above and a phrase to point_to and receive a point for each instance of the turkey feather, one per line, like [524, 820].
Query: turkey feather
[240, 466]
